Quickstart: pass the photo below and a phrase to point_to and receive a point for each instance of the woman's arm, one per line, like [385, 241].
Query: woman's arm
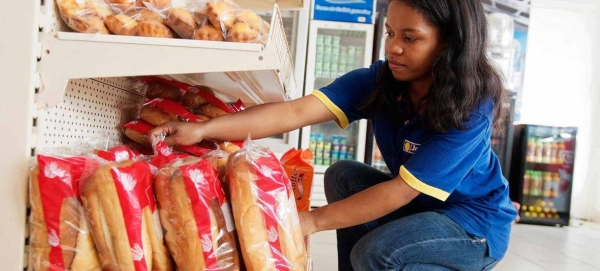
[260, 121]
[368, 205]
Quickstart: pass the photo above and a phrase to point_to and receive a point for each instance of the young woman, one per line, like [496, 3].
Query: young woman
[433, 105]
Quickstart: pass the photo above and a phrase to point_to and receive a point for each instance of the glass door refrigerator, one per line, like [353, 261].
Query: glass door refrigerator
[334, 48]
[542, 173]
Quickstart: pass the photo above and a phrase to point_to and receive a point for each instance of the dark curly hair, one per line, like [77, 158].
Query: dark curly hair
[463, 77]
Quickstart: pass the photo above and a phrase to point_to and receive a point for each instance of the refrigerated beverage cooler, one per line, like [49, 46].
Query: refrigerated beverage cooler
[334, 48]
[542, 173]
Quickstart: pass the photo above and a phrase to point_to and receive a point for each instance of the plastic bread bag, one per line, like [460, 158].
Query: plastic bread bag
[139, 18]
[137, 131]
[264, 211]
[158, 111]
[237, 24]
[125, 6]
[196, 96]
[200, 232]
[120, 205]
[85, 16]
[60, 238]
[300, 170]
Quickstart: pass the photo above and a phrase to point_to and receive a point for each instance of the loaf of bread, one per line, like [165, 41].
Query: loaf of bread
[193, 98]
[196, 216]
[221, 14]
[60, 239]
[153, 29]
[119, 202]
[163, 91]
[208, 32]
[137, 131]
[211, 110]
[121, 24]
[156, 116]
[264, 211]
[182, 22]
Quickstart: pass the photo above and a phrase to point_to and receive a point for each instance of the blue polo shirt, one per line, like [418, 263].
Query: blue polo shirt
[456, 172]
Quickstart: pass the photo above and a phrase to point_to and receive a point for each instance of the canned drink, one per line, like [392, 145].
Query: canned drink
[343, 148]
[320, 39]
[335, 40]
[335, 147]
[344, 50]
[320, 48]
[326, 153]
[335, 59]
[326, 59]
[327, 49]
[335, 155]
[350, 156]
[334, 68]
[335, 140]
[326, 161]
[343, 140]
[319, 161]
[319, 152]
[327, 39]
[319, 64]
[318, 72]
[343, 155]
[319, 56]
[335, 49]
[352, 51]
[351, 148]
[343, 59]
[327, 146]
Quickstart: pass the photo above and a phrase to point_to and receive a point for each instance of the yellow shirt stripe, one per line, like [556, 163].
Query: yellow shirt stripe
[422, 187]
[342, 120]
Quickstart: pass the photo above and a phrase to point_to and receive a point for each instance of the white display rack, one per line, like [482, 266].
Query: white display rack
[253, 72]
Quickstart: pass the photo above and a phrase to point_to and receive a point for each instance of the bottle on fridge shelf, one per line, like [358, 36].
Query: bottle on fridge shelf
[547, 177]
[546, 152]
[526, 182]
[554, 185]
[560, 151]
[530, 149]
[554, 153]
[539, 147]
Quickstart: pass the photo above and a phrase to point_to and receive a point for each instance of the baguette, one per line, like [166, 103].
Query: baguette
[119, 209]
[58, 226]
[185, 210]
[258, 188]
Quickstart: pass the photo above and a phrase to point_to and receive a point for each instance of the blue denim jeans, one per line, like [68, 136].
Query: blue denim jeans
[403, 240]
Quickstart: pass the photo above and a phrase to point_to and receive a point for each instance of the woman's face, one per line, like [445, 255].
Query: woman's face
[412, 43]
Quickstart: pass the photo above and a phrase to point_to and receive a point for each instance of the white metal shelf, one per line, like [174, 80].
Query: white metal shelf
[255, 73]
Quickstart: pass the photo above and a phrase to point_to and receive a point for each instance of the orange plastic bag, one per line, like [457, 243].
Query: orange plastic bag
[299, 169]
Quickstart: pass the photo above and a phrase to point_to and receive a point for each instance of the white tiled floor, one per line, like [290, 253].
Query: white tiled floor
[532, 248]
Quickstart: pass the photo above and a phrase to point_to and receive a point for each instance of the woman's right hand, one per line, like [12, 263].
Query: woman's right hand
[179, 132]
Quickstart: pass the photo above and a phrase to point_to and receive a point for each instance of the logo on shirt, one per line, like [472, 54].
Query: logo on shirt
[410, 147]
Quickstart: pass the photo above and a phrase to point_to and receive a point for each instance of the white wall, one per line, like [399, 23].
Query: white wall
[561, 86]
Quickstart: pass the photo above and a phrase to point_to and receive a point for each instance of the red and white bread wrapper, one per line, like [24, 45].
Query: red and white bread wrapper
[227, 107]
[189, 192]
[60, 239]
[120, 204]
[264, 211]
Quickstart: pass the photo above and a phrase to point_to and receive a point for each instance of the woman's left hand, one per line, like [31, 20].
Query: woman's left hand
[307, 223]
